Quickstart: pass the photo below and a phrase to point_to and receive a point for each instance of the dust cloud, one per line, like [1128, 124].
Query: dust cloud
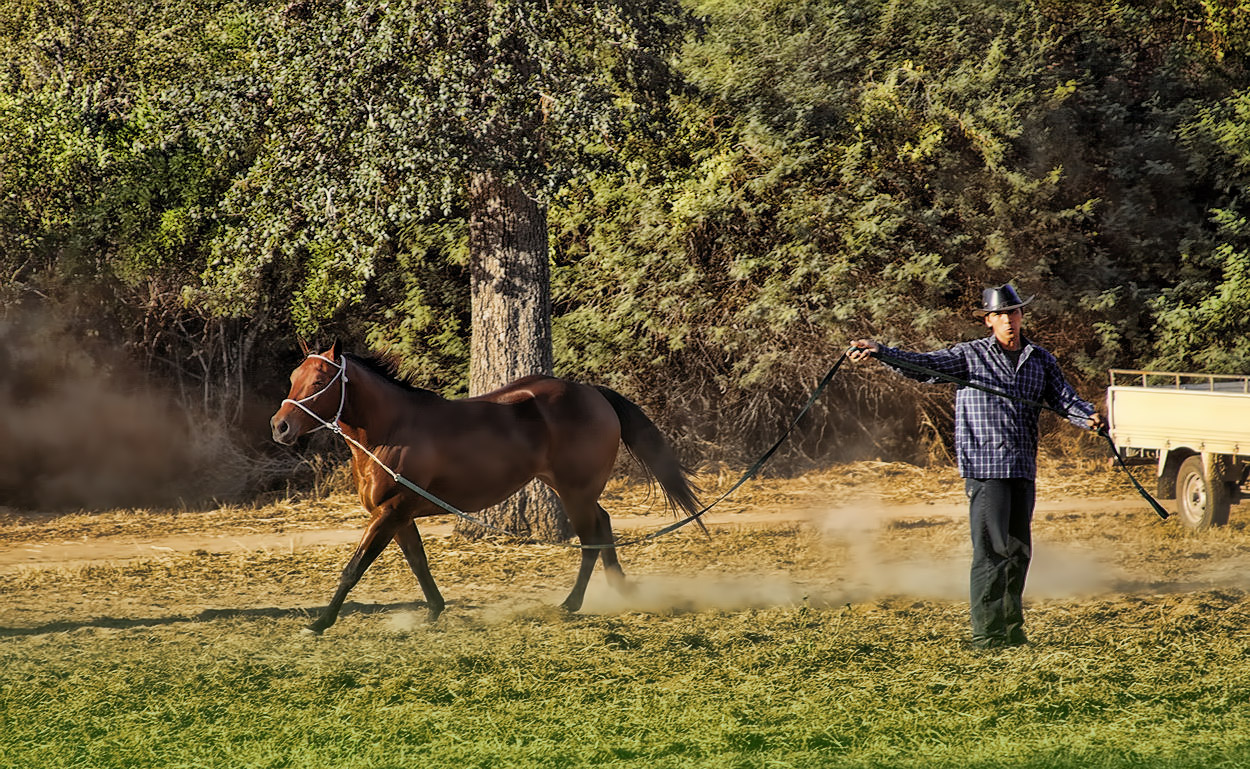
[79, 430]
[870, 570]
[865, 565]
[658, 594]
[873, 568]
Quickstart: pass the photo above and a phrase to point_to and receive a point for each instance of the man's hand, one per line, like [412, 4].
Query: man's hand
[1096, 422]
[862, 349]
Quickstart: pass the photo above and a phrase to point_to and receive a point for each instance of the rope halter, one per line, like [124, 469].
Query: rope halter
[341, 376]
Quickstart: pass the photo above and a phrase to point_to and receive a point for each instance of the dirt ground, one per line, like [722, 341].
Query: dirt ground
[86, 540]
[862, 532]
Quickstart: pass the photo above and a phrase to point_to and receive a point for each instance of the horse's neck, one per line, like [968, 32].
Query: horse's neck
[375, 403]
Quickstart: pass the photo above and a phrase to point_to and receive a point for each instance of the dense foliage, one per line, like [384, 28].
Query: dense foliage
[200, 181]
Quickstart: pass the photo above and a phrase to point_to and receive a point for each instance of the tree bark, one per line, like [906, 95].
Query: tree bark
[510, 290]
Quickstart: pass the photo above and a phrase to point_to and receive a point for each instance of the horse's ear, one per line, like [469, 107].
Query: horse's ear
[303, 346]
[336, 350]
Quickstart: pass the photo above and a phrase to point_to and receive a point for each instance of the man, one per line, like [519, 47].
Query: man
[996, 448]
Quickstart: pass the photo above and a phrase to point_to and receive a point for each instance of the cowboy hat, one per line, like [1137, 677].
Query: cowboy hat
[1001, 299]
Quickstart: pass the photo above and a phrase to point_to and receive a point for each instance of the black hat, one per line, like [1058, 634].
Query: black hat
[1001, 299]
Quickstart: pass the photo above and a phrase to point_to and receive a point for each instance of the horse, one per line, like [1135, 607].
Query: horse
[473, 453]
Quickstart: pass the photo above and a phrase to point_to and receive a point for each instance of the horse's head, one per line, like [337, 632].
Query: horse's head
[318, 392]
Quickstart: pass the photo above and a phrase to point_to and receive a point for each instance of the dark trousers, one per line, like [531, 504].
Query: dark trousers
[1001, 514]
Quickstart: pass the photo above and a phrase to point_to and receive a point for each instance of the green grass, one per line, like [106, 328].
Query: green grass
[195, 659]
[1132, 682]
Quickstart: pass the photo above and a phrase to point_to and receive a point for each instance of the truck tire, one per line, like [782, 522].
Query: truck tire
[1201, 502]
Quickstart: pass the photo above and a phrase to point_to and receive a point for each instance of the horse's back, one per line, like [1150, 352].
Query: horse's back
[554, 396]
[576, 417]
[532, 387]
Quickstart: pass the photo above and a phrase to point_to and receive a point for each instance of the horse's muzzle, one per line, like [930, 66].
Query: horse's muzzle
[283, 432]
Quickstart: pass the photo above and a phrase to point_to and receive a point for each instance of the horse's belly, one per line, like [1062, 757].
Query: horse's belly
[487, 479]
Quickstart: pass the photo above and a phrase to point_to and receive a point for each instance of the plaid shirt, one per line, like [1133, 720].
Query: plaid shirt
[996, 437]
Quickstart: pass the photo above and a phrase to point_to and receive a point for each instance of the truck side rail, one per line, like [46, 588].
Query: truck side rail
[1235, 383]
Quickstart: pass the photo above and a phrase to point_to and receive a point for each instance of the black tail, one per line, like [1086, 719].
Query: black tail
[648, 445]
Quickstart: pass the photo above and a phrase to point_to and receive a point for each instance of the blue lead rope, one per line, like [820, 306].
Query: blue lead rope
[754, 469]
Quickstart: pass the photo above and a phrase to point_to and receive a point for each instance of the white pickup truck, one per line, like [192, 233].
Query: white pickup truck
[1194, 427]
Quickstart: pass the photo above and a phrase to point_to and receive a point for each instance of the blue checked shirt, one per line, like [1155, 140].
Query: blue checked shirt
[996, 437]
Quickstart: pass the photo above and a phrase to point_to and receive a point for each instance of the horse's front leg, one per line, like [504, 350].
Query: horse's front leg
[409, 540]
[377, 536]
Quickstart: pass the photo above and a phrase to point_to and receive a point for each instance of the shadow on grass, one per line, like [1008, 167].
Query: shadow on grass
[208, 615]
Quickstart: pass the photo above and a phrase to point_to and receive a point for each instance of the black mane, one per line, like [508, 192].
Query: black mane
[387, 368]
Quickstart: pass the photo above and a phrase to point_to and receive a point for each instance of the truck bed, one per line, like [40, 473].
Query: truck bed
[1162, 410]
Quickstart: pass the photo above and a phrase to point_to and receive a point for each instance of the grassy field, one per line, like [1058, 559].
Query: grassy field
[832, 638]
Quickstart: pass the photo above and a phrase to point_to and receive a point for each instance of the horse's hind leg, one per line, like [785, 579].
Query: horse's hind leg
[409, 540]
[590, 523]
[611, 564]
[578, 594]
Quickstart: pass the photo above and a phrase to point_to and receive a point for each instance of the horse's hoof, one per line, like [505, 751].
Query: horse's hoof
[311, 631]
[571, 607]
[432, 616]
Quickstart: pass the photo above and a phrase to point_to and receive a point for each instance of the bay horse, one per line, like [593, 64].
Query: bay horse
[473, 453]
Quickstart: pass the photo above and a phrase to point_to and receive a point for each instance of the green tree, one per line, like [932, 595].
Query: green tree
[1203, 320]
[845, 169]
[202, 179]
[107, 207]
[865, 168]
[384, 119]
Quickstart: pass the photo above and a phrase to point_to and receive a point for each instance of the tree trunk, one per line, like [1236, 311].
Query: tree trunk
[510, 288]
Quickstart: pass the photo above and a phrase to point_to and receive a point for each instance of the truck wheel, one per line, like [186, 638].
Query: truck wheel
[1201, 502]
